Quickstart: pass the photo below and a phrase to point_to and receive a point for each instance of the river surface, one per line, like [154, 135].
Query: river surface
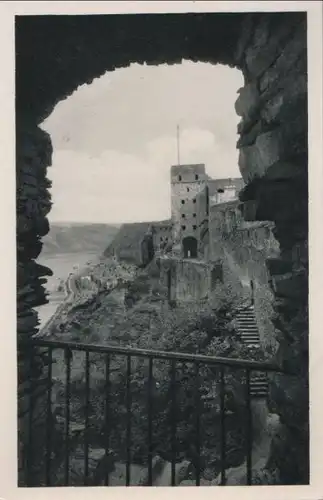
[61, 265]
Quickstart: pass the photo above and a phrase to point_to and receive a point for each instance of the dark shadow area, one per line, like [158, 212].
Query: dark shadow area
[190, 247]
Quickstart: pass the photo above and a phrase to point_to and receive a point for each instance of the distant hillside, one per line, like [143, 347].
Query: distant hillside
[74, 237]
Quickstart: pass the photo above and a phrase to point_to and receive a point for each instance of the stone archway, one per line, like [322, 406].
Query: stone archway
[55, 54]
[189, 246]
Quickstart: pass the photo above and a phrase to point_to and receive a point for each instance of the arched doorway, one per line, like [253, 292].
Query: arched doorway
[190, 247]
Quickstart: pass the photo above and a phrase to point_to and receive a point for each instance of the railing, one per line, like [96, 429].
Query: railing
[220, 366]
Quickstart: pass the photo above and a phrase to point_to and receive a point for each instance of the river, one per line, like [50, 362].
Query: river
[61, 265]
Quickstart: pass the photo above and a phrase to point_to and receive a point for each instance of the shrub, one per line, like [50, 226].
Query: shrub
[184, 330]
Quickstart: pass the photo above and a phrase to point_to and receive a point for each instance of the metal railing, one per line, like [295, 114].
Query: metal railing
[174, 360]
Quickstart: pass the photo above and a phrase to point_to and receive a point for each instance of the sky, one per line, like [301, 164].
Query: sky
[114, 140]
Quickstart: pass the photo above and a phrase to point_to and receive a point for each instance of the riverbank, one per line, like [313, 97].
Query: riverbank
[62, 265]
[85, 287]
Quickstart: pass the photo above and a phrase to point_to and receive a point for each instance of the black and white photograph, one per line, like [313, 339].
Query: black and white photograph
[162, 257]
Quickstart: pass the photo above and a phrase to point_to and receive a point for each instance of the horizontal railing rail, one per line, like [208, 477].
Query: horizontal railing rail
[174, 359]
[157, 354]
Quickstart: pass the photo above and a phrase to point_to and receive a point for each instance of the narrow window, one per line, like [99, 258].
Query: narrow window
[194, 201]
[194, 227]
[183, 202]
[179, 177]
[188, 190]
[194, 215]
[183, 227]
[196, 177]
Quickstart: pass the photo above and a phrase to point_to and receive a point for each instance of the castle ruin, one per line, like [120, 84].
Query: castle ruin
[193, 192]
[208, 251]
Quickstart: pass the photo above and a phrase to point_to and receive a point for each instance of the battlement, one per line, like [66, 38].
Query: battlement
[188, 173]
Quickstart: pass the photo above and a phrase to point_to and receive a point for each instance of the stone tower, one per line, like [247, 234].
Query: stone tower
[186, 182]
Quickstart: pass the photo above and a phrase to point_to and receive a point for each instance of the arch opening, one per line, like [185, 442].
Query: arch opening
[189, 245]
[98, 104]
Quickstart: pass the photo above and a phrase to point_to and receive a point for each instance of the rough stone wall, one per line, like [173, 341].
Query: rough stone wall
[202, 221]
[273, 163]
[204, 242]
[243, 249]
[190, 281]
[33, 203]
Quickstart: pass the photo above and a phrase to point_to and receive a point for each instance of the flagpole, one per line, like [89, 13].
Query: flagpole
[178, 157]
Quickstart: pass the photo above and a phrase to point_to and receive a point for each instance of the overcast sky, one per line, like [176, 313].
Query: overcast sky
[115, 140]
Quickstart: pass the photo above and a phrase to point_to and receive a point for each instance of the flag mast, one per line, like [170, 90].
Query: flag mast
[178, 156]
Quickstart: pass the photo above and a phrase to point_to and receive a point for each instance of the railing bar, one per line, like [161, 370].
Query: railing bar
[49, 416]
[178, 356]
[107, 430]
[87, 403]
[249, 436]
[197, 422]
[223, 431]
[68, 355]
[30, 423]
[150, 416]
[128, 438]
[173, 421]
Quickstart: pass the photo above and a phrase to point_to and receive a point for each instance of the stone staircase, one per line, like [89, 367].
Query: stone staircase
[247, 328]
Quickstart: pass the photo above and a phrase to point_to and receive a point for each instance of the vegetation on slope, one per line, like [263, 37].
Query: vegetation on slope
[144, 321]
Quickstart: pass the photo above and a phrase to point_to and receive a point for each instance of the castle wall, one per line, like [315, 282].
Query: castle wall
[243, 249]
[162, 233]
[189, 280]
[202, 203]
[223, 190]
[192, 281]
